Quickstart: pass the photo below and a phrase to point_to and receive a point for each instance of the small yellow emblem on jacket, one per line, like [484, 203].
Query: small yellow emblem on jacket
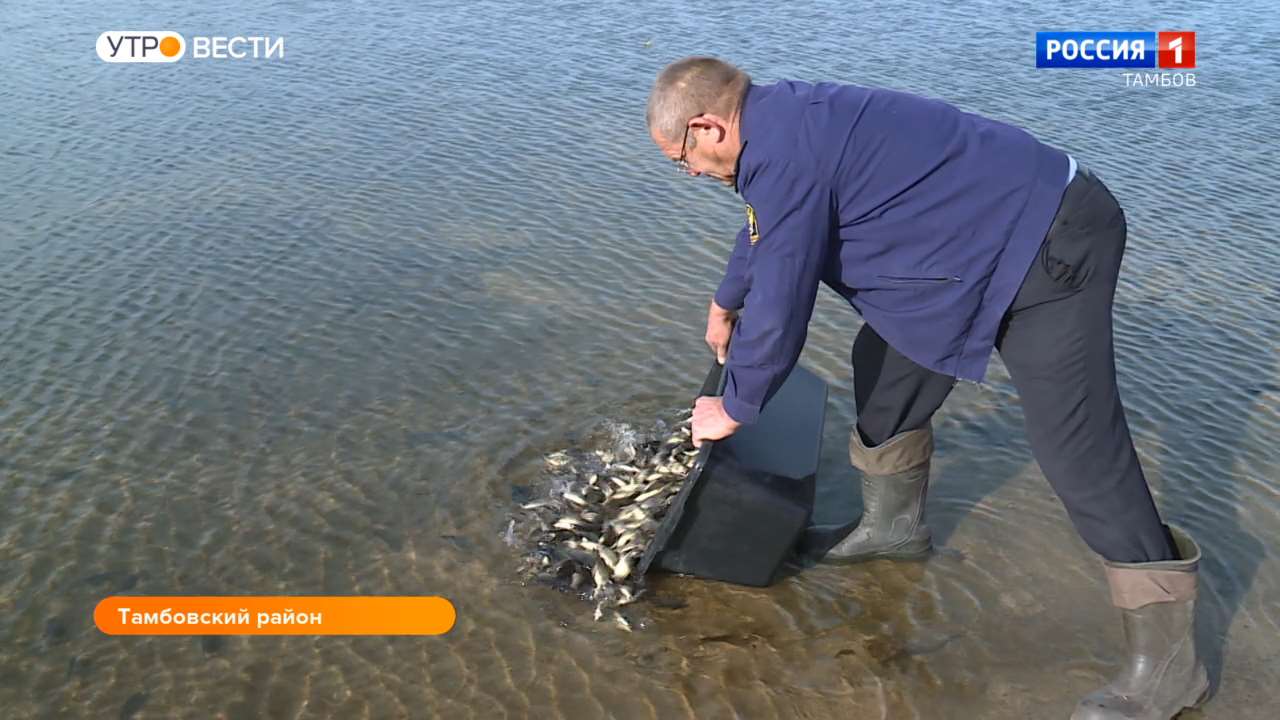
[753, 230]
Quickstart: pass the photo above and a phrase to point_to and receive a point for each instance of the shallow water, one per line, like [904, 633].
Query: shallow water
[303, 327]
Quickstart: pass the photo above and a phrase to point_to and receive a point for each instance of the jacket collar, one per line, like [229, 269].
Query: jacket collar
[755, 95]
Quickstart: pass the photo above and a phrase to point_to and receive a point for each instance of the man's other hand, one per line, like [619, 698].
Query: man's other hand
[710, 421]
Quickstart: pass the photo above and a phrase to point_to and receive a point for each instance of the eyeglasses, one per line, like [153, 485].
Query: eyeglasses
[682, 165]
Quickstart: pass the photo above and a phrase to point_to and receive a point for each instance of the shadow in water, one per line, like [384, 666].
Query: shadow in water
[1198, 485]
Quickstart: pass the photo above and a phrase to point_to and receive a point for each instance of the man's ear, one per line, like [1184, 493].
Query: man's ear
[711, 122]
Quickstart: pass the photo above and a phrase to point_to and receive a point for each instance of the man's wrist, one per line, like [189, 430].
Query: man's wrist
[721, 311]
[740, 412]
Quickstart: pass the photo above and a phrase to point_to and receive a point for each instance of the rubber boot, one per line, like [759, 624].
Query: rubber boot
[895, 477]
[1162, 672]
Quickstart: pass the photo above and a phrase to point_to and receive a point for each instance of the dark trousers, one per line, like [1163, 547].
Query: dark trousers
[1056, 342]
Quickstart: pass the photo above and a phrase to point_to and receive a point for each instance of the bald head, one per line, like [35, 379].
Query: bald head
[693, 86]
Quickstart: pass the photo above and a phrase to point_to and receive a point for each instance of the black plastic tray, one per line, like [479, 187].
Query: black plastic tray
[748, 497]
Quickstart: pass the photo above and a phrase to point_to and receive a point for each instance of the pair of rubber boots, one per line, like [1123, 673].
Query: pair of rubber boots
[1162, 672]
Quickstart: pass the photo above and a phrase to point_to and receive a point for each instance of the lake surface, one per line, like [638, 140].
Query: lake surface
[306, 326]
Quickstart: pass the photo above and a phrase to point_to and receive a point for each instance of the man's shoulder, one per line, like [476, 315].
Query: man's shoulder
[794, 95]
[792, 131]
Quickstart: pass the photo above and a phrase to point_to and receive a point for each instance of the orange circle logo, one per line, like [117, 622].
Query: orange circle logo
[170, 46]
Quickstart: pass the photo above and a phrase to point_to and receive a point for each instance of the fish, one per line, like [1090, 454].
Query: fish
[622, 570]
[569, 522]
[649, 494]
[602, 514]
[626, 539]
[55, 631]
[133, 705]
[609, 557]
[78, 666]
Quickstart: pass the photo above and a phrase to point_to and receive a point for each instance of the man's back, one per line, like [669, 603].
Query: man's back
[936, 213]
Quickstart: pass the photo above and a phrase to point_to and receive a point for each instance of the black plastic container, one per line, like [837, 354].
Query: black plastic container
[749, 497]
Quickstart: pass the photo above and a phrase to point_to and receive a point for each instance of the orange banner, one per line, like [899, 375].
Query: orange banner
[274, 615]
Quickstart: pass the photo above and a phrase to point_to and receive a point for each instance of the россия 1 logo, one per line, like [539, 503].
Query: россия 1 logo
[1165, 50]
[156, 46]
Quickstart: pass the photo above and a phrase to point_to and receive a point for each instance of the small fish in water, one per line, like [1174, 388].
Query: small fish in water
[133, 705]
[626, 539]
[623, 569]
[649, 494]
[600, 575]
[609, 557]
[55, 631]
[78, 666]
[603, 512]
[568, 523]
[635, 513]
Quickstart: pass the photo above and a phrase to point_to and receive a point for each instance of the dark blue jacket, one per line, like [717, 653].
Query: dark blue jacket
[925, 218]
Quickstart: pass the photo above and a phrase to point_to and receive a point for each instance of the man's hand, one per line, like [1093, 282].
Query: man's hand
[710, 421]
[719, 328]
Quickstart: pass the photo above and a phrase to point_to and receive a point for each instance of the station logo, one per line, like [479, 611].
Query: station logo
[116, 46]
[164, 46]
[1169, 53]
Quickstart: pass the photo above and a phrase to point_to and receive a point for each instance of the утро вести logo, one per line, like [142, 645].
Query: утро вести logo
[165, 46]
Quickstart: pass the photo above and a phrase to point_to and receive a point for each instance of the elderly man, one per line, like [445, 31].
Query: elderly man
[952, 236]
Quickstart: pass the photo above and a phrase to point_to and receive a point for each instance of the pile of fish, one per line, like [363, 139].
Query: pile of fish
[601, 513]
